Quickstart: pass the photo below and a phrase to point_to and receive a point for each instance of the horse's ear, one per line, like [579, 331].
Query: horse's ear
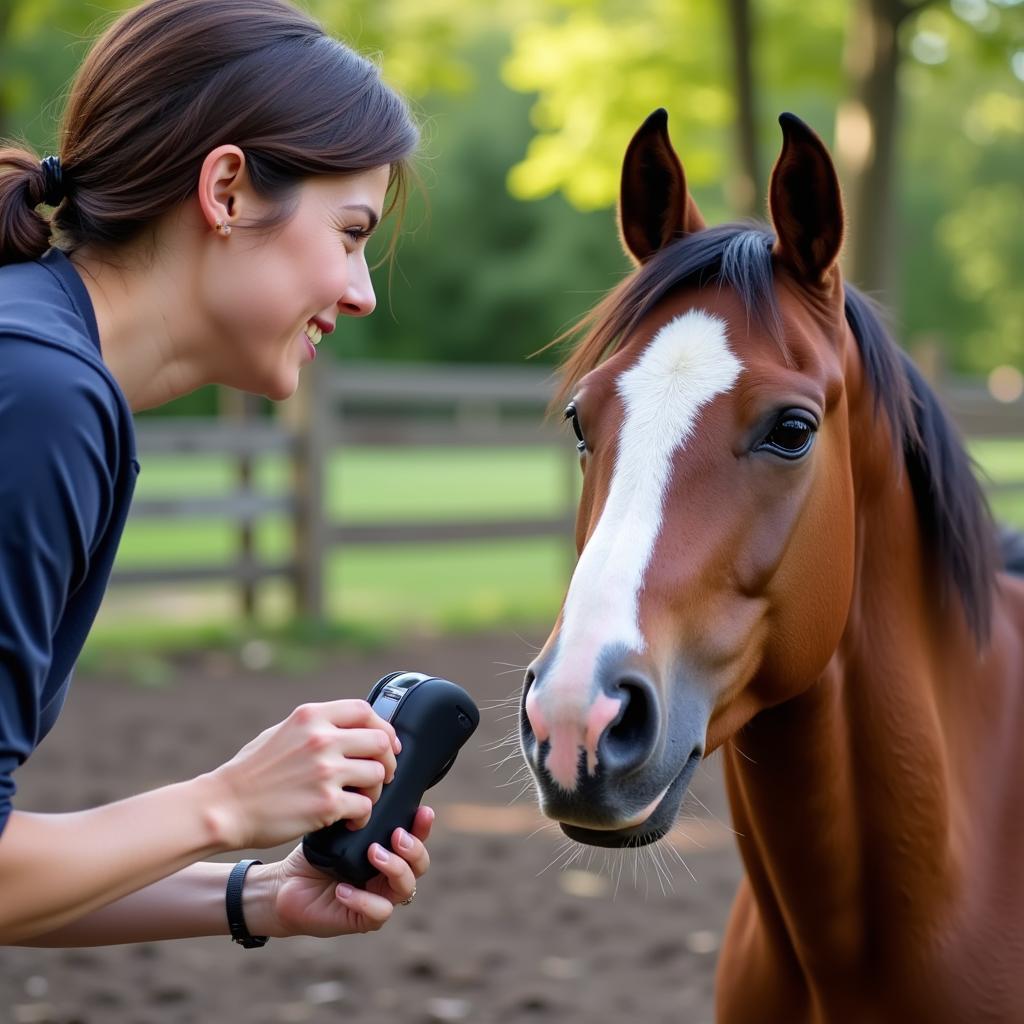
[806, 204]
[654, 205]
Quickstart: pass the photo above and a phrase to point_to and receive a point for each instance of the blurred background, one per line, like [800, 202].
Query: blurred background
[440, 500]
[412, 507]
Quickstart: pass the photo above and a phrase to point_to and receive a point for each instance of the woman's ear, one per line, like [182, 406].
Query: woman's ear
[806, 204]
[223, 184]
[654, 205]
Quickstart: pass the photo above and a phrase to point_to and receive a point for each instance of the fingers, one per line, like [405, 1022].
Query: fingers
[369, 743]
[423, 822]
[412, 851]
[367, 736]
[353, 807]
[289, 779]
[349, 714]
[397, 871]
[367, 776]
[371, 907]
[353, 824]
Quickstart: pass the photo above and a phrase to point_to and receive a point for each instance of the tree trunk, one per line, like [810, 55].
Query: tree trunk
[747, 188]
[866, 144]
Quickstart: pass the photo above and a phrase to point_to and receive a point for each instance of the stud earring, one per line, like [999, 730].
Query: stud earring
[224, 229]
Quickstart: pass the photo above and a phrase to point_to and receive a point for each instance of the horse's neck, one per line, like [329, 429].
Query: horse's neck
[842, 796]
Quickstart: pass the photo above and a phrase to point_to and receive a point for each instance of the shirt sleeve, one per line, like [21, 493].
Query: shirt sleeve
[58, 464]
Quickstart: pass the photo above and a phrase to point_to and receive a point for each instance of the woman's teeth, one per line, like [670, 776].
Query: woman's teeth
[314, 333]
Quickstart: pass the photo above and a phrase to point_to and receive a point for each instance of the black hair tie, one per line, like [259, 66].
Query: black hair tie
[53, 180]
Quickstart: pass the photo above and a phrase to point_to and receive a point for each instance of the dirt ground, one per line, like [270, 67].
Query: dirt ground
[498, 932]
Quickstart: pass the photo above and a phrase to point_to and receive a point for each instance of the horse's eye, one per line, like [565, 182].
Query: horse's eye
[571, 414]
[791, 436]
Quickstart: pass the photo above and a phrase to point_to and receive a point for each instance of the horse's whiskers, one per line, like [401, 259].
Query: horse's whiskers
[511, 714]
[526, 643]
[526, 786]
[711, 814]
[511, 737]
[566, 848]
[503, 702]
[546, 826]
[516, 778]
[735, 747]
[679, 857]
[505, 760]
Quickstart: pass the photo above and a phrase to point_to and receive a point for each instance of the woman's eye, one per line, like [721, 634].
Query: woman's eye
[571, 414]
[355, 235]
[791, 437]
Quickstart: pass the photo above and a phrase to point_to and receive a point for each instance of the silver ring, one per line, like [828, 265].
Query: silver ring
[408, 899]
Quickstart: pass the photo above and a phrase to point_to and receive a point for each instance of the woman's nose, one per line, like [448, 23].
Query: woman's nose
[358, 298]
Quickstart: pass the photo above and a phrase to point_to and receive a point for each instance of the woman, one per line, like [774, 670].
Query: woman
[222, 163]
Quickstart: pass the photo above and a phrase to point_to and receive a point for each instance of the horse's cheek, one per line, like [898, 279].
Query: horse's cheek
[813, 586]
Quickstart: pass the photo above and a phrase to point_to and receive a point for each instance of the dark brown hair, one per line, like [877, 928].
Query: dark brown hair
[172, 79]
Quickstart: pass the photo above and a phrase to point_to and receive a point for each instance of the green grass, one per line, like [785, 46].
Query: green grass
[378, 592]
[1003, 462]
[373, 591]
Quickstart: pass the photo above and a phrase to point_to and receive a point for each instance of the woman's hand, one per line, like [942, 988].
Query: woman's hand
[323, 763]
[301, 900]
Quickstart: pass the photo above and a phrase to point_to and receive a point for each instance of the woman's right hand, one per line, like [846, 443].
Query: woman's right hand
[323, 763]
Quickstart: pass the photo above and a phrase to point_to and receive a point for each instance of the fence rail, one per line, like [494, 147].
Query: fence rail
[357, 404]
[392, 405]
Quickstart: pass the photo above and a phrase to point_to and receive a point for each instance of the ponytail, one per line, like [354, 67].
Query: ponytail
[24, 186]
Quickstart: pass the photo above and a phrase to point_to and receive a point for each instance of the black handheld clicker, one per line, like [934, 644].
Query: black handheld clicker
[433, 718]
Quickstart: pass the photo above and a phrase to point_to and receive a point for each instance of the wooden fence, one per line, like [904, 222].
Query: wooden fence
[391, 405]
[382, 405]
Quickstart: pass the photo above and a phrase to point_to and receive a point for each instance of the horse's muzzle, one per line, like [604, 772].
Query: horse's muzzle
[618, 782]
[657, 824]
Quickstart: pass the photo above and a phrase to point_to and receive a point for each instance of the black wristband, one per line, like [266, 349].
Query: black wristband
[233, 899]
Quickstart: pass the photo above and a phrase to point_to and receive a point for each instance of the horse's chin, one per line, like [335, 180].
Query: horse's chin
[656, 826]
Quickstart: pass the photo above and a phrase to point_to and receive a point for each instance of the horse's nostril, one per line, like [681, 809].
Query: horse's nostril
[525, 725]
[629, 742]
[633, 721]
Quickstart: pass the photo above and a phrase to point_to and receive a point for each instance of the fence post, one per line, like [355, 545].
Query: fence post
[240, 407]
[311, 415]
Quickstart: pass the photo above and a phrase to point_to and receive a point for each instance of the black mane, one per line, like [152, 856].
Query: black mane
[952, 510]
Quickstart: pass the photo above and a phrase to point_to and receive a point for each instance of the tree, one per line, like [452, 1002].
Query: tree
[597, 68]
[866, 139]
[749, 183]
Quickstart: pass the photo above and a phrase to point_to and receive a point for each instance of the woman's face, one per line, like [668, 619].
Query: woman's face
[262, 293]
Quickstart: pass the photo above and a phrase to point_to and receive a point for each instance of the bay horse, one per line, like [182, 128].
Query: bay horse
[784, 556]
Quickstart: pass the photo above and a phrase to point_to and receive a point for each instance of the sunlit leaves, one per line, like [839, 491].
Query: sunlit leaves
[598, 70]
[984, 241]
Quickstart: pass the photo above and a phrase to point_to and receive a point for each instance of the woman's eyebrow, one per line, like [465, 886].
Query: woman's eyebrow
[369, 211]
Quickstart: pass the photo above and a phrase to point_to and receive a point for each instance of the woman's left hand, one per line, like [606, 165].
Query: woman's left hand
[305, 901]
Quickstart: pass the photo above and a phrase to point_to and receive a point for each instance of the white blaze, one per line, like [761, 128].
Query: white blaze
[685, 365]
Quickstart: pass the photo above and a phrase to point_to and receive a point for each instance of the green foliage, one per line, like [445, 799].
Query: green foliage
[598, 69]
[481, 276]
[537, 99]
[962, 191]
[42, 45]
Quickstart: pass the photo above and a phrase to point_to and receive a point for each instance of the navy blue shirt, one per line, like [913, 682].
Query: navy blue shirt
[67, 472]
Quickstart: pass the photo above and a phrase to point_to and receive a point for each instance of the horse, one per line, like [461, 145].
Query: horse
[785, 557]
